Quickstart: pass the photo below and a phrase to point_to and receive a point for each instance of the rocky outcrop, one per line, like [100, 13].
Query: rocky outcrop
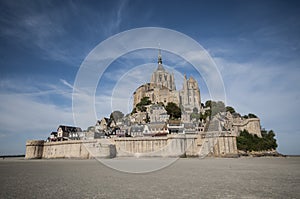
[269, 153]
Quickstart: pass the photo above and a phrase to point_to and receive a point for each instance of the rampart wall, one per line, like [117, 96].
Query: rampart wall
[177, 145]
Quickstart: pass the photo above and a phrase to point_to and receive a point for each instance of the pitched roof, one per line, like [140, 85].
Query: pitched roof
[157, 126]
[69, 129]
[137, 128]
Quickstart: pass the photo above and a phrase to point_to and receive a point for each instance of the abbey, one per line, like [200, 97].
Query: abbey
[162, 89]
[152, 131]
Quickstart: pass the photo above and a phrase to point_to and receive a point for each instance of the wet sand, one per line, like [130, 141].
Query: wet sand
[264, 177]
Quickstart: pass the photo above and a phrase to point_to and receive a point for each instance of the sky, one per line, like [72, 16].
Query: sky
[254, 44]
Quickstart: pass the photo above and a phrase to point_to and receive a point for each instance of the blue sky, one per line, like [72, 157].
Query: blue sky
[255, 44]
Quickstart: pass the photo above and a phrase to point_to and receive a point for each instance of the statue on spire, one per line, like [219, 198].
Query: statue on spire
[159, 57]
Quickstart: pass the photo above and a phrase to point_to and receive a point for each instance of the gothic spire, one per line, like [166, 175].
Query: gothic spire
[159, 57]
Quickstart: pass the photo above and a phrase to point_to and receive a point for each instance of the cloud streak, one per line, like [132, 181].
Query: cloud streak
[46, 26]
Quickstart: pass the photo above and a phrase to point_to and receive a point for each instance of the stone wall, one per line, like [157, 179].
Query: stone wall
[171, 146]
[226, 146]
[34, 149]
[252, 125]
[222, 145]
[70, 149]
[174, 145]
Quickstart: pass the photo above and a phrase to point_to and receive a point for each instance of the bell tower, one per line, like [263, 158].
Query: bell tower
[160, 77]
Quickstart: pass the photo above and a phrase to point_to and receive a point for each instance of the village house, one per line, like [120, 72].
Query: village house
[68, 133]
[158, 113]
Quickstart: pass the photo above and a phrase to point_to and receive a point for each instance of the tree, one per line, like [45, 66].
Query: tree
[173, 110]
[249, 142]
[201, 116]
[141, 106]
[208, 103]
[217, 107]
[147, 119]
[133, 110]
[230, 109]
[251, 115]
[196, 116]
[91, 129]
[116, 115]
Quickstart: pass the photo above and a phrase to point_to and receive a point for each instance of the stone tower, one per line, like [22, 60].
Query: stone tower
[162, 89]
[161, 78]
[190, 95]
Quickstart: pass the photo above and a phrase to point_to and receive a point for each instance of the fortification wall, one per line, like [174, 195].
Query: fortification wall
[70, 149]
[170, 146]
[177, 145]
[252, 125]
[34, 149]
[223, 145]
[226, 146]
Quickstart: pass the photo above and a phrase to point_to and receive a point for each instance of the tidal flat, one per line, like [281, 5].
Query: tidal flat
[264, 177]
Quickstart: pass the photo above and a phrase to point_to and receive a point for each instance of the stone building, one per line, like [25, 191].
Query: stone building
[236, 123]
[158, 113]
[161, 78]
[138, 118]
[105, 124]
[148, 130]
[156, 93]
[68, 133]
[190, 95]
[162, 89]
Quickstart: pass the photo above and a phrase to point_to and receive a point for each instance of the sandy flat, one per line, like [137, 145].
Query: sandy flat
[185, 178]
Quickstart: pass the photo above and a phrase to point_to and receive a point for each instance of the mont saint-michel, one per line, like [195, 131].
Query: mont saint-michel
[164, 122]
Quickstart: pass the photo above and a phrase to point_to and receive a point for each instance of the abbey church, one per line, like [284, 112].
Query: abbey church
[162, 89]
[152, 132]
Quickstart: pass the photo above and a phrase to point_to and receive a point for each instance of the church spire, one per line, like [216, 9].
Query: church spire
[159, 57]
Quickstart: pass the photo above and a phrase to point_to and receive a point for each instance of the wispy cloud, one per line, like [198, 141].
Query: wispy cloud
[31, 110]
[67, 83]
[23, 117]
[45, 25]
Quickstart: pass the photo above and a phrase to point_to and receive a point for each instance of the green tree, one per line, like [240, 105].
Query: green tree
[133, 110]
[196, 116]
[147, 119]
[173, 110]
[141, 106]
[208, 103]
[204, 115]
[116, 115]
[251, 115]
[230, 109]
[91, 129]
[217, 107]
[249, 142]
